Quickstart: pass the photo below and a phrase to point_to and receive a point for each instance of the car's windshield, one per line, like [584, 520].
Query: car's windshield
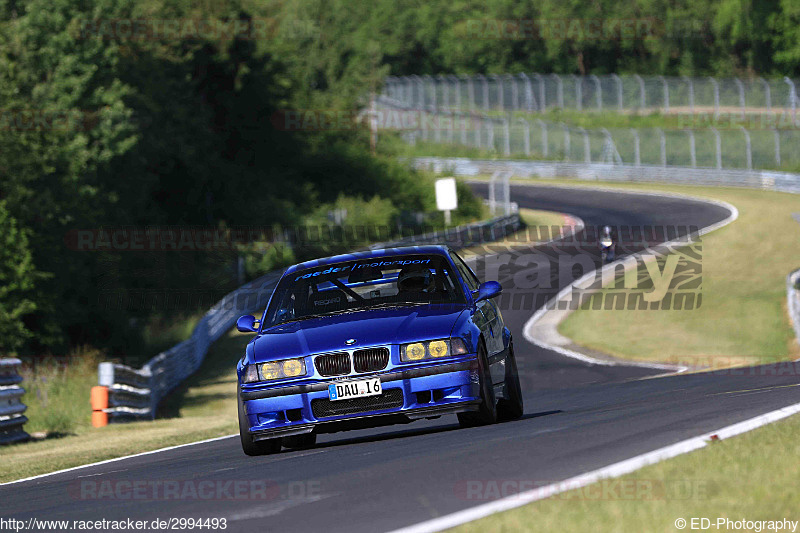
[400, 280]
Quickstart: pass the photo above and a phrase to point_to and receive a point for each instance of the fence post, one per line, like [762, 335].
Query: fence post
[767, 94]
[542, 101]
[430, 82]
[451, 127]
[598, 92]
[514, 93]
[559, 90]
[777, 146]
[792, 99]
[578, 92]
[526, 128]
[528, 93]
[507, 136]
[740, 86]
[485, 87]
[690, 83]
[498, 81]
[567, 146]
[543, 125]
[692, 149]
[490, 136]
[748, 148]
[470, 93]
[587, 153]
[420, 91]
[464, 129]
[478, 133]
[716, 97]
[718, 144]
[642, 100]
[663, 145]
[506, 193]
[618, 81]
[457, 83]
[666, 93]
[637, 156]
[441, 81]
[492, 185]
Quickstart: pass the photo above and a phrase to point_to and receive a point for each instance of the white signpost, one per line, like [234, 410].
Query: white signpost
[446, 197]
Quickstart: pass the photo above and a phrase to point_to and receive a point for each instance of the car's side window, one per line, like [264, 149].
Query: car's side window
[466, 273]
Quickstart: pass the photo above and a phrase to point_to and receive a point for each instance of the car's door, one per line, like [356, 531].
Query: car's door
[491, 327]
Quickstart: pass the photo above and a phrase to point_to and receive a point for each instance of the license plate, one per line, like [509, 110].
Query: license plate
[358, 388]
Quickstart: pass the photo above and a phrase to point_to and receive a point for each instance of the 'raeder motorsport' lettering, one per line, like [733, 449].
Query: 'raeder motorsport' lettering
[374, 264]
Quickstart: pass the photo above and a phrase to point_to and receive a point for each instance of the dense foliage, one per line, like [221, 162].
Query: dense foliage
[101, 126]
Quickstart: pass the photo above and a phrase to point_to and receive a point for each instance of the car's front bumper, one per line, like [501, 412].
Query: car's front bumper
[427, 391]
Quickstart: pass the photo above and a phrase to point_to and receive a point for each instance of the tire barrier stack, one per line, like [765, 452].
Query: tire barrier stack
[125, 393]
[11, 407]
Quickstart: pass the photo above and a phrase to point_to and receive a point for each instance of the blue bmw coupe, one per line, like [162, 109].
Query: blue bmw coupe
[374, 338]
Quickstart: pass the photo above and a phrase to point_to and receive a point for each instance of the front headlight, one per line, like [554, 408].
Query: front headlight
[417, 351]
[272, 370]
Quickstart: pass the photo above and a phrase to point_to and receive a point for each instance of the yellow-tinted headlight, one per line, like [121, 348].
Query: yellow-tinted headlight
[293, 367]
[270, 371]
[438, 348]
[415, 352]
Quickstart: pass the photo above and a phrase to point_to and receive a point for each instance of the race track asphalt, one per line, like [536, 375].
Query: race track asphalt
[578, 417]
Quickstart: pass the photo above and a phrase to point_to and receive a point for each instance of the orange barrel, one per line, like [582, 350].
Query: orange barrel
[99, 419]
[99, 401]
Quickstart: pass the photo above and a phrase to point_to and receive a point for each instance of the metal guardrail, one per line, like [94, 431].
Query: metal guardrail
[11, 407]
[793, 299]
[758, 179]
[135, 393]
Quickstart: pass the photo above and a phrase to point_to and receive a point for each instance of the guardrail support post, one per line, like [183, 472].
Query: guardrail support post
[748, 148]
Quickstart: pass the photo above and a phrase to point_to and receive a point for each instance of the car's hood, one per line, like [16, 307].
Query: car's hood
[368, 328]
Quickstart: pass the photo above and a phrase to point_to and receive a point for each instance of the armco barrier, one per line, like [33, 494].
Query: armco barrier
[11, 406]
[135, 393]
[757, 179]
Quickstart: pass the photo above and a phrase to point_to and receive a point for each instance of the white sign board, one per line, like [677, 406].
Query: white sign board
[446, 197]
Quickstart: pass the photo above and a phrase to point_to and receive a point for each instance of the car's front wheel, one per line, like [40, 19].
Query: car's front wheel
[487, 411]
[249, 446]
[510, 407]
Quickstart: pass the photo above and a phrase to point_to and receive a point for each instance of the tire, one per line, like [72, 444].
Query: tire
[487, 411]
[510, 407]
[299, 442]
[249, 446]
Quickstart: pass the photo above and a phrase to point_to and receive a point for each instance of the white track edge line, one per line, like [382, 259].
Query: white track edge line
[611, 471]
[115, 459]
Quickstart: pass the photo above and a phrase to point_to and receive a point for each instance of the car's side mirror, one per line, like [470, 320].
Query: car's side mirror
[487, 290]
[246, 323]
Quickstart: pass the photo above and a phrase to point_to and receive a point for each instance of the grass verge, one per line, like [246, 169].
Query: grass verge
[742, 319]
[203, 408]
[532, 218]
[708, 483]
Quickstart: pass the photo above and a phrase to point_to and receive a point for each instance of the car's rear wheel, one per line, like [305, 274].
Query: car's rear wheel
[306, 440]
[510, 407]
[487, 411]
[249, 446]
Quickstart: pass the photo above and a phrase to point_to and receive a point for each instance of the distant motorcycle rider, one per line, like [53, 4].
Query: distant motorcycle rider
[608, 244]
